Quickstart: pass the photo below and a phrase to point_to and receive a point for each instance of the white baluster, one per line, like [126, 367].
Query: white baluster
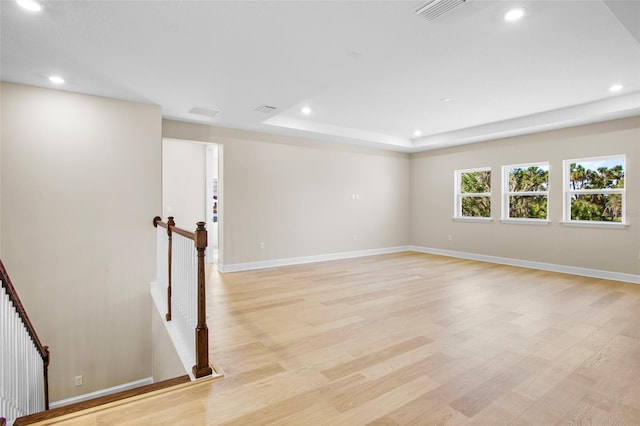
[21, 367]
[3, 349]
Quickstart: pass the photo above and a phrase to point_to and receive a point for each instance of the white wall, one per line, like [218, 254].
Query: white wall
[213, 177]
[1, 133]
[183, 182]
[80, 186]
[592, 248]
[80, 181]
[295, 196]
[166, 363]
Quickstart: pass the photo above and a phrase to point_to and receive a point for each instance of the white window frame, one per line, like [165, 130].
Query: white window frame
[457, 210]
[568, 192]
[506, 194]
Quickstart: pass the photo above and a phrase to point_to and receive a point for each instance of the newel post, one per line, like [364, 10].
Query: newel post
[170, 223]
[202, 367]
[45, 367]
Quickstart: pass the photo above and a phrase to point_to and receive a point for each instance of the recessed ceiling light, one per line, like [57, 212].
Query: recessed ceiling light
[417, 133]
[31, 5]
[56, 79]
[306, 110]
[514, 15]
[445, 99]
[616, 88]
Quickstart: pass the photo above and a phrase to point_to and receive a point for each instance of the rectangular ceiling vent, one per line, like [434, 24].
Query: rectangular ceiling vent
[208, 112]
[267, 109]
[434, 9]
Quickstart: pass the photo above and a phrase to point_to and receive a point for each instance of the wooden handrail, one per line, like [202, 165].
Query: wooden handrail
[43, 350]
[202, 367]
[157, 221]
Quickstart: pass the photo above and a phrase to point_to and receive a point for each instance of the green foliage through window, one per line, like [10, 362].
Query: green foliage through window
[601, 178]
[596, 189]
[598, 207]
[527, 196]
[528, 206]
[476, 207]
[533, 178]
[474, 193]
[476, 182]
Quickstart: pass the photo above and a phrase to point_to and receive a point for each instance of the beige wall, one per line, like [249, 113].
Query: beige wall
[166, 363]
[80, 181]
[1, 133]
[594, 248]
[295, 196]
[80, 186]
[183, 182]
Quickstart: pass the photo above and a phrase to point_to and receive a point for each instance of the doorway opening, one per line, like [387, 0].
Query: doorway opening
[192, 188]
[213, 201]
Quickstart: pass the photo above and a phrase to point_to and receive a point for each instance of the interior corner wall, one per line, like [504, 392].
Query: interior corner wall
[604, 249]
[166, 363]
[80, 185]
[1, 133]
[183, 182]
[296, 195]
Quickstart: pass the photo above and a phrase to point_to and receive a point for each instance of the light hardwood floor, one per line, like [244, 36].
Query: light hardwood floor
[409, 339]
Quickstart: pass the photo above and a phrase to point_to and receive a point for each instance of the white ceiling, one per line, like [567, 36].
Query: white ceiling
[373, 72]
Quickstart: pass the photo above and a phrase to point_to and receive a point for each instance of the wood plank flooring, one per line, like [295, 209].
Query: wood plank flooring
[409, 339]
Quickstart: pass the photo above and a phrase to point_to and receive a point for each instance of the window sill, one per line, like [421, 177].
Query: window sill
[586, 224]
[472, 219]
[526, 221]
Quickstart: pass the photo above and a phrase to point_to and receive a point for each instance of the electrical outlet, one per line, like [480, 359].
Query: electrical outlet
[355, 237]
[261, 245]
[450, 237]
[78, 380]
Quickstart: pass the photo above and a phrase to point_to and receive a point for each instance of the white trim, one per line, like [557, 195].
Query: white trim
[249, 266]
[595, 158]
[507, 194]
[459, 195]
[568, 192]
[594, 224]
[526, 221]
[606, 191]
[472, 219]
[101, 393]
[594, 273]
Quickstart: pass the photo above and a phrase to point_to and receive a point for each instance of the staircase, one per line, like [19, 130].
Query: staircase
[104, 403]
[24, 360]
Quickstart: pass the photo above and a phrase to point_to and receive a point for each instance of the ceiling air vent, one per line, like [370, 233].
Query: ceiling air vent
[209, 112]
[433, 9]
[267, 109]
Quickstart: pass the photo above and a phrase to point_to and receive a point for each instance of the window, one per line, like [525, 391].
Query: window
[525, 191]
[594, 190]
[473, 193]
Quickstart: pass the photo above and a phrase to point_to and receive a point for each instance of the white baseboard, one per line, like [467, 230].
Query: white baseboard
[238, 267]
[103, 392]
[586, 272]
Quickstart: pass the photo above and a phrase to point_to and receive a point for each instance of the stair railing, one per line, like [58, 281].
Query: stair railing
[24, 360]
[180, 260]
